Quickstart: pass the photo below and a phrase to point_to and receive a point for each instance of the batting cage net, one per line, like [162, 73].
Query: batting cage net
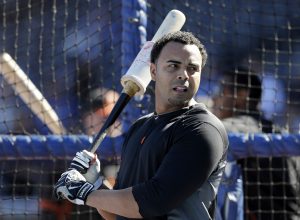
[60, 69]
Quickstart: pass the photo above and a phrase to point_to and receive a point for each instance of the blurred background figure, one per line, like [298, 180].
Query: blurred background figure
[97, 107]
[238, 102]
[266, 179]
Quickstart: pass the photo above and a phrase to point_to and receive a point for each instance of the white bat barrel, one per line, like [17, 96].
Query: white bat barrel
[139, 71]
[29, 93]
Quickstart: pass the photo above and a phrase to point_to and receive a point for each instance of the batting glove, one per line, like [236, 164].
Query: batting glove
[88, 165]
[73, 186]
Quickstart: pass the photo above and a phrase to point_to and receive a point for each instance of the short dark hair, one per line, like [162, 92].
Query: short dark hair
[180, 37]
[244, 78]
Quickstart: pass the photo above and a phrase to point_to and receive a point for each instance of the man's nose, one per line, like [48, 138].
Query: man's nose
[183, 75]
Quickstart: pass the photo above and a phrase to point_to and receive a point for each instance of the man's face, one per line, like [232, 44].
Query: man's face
[229, 102]
[176, 74]
[224, 103]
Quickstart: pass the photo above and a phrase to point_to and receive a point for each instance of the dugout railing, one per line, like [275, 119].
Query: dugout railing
[31, 165]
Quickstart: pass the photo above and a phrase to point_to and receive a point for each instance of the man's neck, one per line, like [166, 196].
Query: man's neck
[164, 111]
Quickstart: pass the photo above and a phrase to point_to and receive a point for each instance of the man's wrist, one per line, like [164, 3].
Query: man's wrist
[84, 191]
[89, 198]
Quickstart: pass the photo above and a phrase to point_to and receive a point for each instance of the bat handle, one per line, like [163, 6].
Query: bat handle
[129, 90]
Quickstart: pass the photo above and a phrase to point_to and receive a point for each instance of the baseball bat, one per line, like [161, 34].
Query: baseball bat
[138, 76]
[29, 93]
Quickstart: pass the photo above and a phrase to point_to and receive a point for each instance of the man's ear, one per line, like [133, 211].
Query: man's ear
[153, 71]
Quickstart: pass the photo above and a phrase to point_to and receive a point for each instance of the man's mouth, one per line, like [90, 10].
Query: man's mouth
[180, 88]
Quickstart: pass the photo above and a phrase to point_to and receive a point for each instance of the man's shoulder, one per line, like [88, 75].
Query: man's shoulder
[201, 113]
[144, 118]
[141, 120]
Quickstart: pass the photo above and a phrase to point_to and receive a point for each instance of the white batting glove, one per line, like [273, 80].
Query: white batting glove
[88, 165]
[73, 186]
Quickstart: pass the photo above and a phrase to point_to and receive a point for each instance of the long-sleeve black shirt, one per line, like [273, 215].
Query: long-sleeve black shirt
[174, 162]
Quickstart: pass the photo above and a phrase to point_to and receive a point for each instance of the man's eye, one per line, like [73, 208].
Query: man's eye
[172, 67]
[192, 69]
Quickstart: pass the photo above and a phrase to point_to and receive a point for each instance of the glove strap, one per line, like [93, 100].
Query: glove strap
[84, 191]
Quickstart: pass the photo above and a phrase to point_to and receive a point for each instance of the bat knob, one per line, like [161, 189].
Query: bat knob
[130, 88]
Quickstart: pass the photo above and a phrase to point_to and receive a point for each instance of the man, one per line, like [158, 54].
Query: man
[270, 184]
[100, 102]
[238, 104]
[173, 159]
[98, 106]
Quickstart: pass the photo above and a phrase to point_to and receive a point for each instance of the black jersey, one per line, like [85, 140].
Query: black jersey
[174, 162]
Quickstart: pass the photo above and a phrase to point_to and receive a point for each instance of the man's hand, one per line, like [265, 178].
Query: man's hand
[73, 186]
[88, 165]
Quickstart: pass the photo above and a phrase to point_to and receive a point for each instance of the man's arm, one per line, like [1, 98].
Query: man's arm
[107, 215]
[118, 202]
[196, 151]
[73, 186]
